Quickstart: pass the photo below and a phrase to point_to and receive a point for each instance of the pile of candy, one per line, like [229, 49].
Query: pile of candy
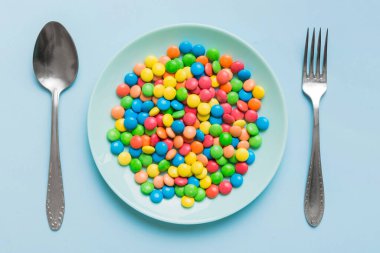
[190, 122]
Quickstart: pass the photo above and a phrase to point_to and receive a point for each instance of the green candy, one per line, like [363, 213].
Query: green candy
[179, 63]
[216, 151]
[190, 190]
[135, 165]
[150, 132]
[126, 138]
[228, 170]
[147, 89]
[233, 160]
[232, 98]
[139, 130]
[113, 134]
[126, 102]
[168, 111]
[216, 130]
[255, 141]
[145, 160]
[188, 59]
[216, 67]
[236, 84]
[201, 195]
[225, 139]
[212, 54]
[146, 188]
[171, 66]
[178, 114]
[163, 165]
[222, 161]
[179, 191]
[217, 177]
[252, 129]
[181, 94]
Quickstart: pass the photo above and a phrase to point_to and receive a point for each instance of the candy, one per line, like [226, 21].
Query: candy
[124, 158]
[212, 191]
[156, 196]
[198, 50]
[225, 187]
[258, 92]
[197, 68]
[187, 202]
[262, 123]
[212, 54]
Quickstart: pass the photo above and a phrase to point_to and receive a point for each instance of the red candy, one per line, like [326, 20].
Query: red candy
[242, 106]
[241, 168]
[227, 108]
[159, 120]
[191, 84]
[237, 66]
[180, 181]
[208, 69]
[212, 191]
[169, 143]
[204, 82]
[185, 149]
[225, 187]
[159, 81]
[136, 142]
[237, 114]
[189, 119]
[212, 166]
[150, 123]
[191, 110]
[251, 116]
[208, 141]
[140, 82]
[122, 90]
[205, 95]
[221, 96]
[226, 128]
[154, 139]
[228, 118]
[223, 77]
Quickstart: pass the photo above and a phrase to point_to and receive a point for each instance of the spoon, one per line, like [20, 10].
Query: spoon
[55, 64]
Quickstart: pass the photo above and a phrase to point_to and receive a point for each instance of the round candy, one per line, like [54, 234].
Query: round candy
[228, 170]
[236, 180]
[244, 74]
[242, 154]
[216, 177]
[225, 187]
[141, 177]
[122, 90]
[147, 187]
[212, 191]
[130, 79]
[237, 66]
[150, 123]
[255, 141]
[187, 202]
[113, 135]
[171, 66]
[225, 60]
[225, 139]
[262, 123]
[168, 192]
[223, 77]
[173, 52]
[156, 196]
[150, 60]
[193, 101]
[161, 148]
[216, 152]
[197, 68]
[147, 75]
[117, 147]
[241, 168]
[198, 50]
[190, 190]
[124, 158]
[212, 54]
[185, 47]
[201, 195]
[258, 92]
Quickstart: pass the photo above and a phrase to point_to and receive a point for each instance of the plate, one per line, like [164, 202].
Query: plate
[120, 179]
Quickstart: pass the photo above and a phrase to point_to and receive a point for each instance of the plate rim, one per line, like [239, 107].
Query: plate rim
[204, 220]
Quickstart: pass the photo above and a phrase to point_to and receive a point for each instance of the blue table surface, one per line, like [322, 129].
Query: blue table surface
[96, 220]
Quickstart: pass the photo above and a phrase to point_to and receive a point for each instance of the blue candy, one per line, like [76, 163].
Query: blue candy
[157, 158]
[236, 180]
[130, 79]
[117, 147]
[193, 181]
[262, 123]
[136, 105]
[235, 142]
[214, 120]
[251, 157]
[161, 148]
[156, 196]
[198, 50]
[197, 68]
[135, 152]
[130, 113]
[244, 74]
[163, 104]
[178, 126]
[147, 106]
[176, 105]
[217, 111]
[245, 95]
[130, 123]
[142, 117]
[185, 47]
[178, 159]
[199, 135]
[207, 153]
[168, 192]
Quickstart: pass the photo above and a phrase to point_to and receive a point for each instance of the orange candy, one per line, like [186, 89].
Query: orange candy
[173, 52]
[216, 141]
[203, 159]
[189, 132]
[117, 112]
[228, 151]
[202, 59]
[226, 87]
[143, 98]
[135, 91]
[196, 147]
[138, 68]
[145, 140]
[235, 131]
[254, 104]
[171, 154]
[225, 61]
[136, 142]
[249, 85]
[244, 135]
[178, 141]
[161, 132]
[197, 123]
[180, 85]
[164, 59]
[243, 144]
[170, 132]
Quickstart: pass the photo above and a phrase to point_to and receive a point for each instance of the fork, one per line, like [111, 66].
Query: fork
[314, 85]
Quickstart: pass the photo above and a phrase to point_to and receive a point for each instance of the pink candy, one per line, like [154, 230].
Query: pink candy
[204, 82]
[185, 149]
[189, 119]
[212, 166]
[208, 141]
[221, 96]
[205, 95]
[223, 77]
[237, 114]
[251, 116]
[191, 84]
[180, 181]
[150, 123]
[237, 66]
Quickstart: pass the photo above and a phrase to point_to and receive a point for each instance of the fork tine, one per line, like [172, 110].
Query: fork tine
[304, 71]
[311, 65]
[324, 69]
[318, 67]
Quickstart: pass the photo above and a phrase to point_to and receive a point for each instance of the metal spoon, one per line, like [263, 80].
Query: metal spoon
[55, 63]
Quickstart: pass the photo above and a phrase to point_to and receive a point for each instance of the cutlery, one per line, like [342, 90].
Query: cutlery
[55, 64]
[314, 85]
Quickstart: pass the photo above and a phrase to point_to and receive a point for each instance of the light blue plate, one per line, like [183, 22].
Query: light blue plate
[120, 179]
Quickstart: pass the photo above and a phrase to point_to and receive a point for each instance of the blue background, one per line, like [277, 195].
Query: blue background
[97, 221]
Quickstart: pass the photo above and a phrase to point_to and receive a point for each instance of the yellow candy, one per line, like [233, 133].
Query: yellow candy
[170, 81]
[241, 154]
[203, 174]
[213, 102]
[154, 111]
[188, 72]
[167, 119]
[148, 150]
[150, 60]
[187, 201]
[153, 170]
[193, 100]
[205, 182]
[214, 82]
[205, 127]
[146, 75]
[184, 170]
[169, 93]
[181, 75]
[240, 123]
[204, 109]
[119, 125]
[158, 69]
[173, 171]
[158, 90]
[258, 92]
[124, 158]
[203, 118]
[190, 158]
[197, 168]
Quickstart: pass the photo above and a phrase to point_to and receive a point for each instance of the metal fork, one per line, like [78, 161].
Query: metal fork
[314, 85]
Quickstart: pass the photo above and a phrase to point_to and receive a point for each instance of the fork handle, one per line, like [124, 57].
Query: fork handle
[55, 203]
[314, 203]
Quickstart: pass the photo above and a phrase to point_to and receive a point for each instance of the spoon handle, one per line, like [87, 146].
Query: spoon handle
[55, 202]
